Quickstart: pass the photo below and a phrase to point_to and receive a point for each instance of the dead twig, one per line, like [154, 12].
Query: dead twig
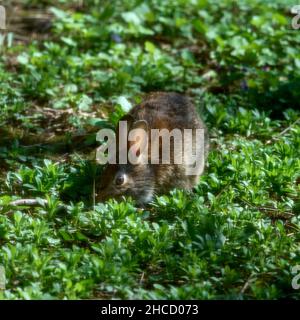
[248, 282]
[273, 212]
[276, 137]
[29, 202]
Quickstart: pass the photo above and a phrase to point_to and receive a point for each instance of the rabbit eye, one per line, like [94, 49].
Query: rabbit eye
[120, 180]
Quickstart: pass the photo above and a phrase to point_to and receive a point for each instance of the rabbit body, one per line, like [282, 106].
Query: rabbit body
[143, 180]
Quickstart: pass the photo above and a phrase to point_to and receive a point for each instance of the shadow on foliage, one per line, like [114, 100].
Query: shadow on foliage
[285, 96]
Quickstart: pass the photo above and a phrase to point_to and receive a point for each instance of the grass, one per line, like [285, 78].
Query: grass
[236, 236]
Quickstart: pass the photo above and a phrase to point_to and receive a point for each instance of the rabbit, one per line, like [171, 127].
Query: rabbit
[143, 180]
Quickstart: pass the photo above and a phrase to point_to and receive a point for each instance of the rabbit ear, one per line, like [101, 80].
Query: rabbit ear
[138, 142]
[140, 124]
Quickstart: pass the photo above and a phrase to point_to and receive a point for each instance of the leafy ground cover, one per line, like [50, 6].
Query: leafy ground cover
[69, 68]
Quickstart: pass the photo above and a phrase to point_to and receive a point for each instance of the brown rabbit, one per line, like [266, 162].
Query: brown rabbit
[143, 180]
